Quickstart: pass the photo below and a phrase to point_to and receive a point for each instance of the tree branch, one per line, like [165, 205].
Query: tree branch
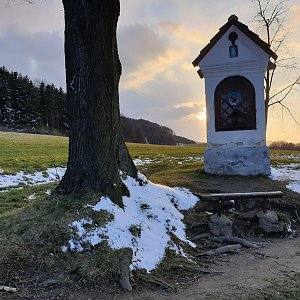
[291, 114]
[289, 88]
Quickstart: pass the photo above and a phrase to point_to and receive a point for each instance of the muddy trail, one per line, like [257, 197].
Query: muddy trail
[269, 270]
[239, 276]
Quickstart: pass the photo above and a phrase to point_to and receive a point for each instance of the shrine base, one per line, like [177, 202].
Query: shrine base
[245, 161]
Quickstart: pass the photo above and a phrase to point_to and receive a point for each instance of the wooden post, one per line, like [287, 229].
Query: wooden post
[264, 206]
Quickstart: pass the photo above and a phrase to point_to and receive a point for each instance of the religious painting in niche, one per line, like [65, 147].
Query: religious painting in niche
[235, 104]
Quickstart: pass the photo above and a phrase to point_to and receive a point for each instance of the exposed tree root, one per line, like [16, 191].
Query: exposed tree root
[230, 239]
[224, 249]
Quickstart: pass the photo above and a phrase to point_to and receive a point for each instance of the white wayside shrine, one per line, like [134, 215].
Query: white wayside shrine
[233, 65]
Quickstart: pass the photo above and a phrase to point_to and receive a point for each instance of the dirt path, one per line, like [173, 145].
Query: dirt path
[234, 276]
[240, 275]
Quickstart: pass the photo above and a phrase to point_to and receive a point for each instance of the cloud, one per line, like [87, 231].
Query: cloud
[139, 45]
[184, 111]
[162, 66]
[181, 35]
[39, 54]
[156, 96]
[191, 128]
[161, 100]
[42, 15]
[295, 12]
[182, 118]
[163, 87]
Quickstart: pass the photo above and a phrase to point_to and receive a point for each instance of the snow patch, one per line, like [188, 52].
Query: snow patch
[37, 178]
[140, 162]
[149, 216]
[31, 197]
[48, 192]
[286, 156]
[295, 186]
[179, 160]
[289, 173]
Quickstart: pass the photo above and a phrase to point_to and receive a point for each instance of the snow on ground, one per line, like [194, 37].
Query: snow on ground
[145, 161]
[190, 159]
[31, 197]
[37, 178]
[55, 174]
[47, 176]
[289, 173]
[294, 186]
[179, 160]
[286, 156]
[149, 216]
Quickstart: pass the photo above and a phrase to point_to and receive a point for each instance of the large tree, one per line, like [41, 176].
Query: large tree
[97, 152]
[273, 16]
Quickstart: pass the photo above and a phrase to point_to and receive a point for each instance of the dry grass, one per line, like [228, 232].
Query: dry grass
[31, 242]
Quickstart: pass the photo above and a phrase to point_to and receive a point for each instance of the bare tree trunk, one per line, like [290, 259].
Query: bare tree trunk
[96, 148]
[267, 93]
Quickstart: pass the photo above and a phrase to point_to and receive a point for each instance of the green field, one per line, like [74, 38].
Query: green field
[31, 152]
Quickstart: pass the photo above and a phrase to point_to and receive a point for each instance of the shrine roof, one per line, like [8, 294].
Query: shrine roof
[233, 20]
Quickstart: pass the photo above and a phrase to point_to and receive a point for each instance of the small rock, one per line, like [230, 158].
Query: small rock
[220, 225]
[268, 221]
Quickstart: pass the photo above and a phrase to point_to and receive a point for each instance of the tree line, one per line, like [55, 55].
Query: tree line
[282, 145]
[35, 107]
[42, 108]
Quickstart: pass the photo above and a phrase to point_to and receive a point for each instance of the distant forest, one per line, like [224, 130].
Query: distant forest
[282, 145]
[42, 108]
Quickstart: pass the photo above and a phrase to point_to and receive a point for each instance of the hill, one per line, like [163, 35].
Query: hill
[42, 108]
[143, 131]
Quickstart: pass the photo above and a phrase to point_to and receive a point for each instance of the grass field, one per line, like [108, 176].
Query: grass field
[30, 153]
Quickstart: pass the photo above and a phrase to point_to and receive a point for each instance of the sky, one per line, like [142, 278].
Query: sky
[157, 40]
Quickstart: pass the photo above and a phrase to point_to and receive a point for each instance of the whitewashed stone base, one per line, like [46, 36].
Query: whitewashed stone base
[245, 161]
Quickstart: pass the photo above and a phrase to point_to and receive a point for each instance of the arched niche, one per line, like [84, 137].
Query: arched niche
[235, 104]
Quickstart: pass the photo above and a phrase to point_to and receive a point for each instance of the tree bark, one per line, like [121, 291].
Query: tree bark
[97, 151]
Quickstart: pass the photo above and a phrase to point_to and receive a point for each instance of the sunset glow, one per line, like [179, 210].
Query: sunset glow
[202, 115]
